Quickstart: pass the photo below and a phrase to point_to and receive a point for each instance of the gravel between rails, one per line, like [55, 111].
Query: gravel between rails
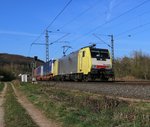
[136, 90]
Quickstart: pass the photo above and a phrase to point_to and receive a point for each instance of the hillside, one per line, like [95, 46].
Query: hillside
[8, 58]
[16, 64]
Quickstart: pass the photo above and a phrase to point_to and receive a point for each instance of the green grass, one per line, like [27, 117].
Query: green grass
[1, 86]
[15, 114]
[143, 106]
[80, 109]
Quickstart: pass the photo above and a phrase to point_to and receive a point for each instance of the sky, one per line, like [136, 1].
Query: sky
[22, 21]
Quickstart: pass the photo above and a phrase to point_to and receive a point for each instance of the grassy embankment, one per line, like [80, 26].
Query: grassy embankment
[79, 109]
[1, 86]
[15, 114]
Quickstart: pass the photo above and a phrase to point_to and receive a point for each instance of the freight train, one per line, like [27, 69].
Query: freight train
[87, 64]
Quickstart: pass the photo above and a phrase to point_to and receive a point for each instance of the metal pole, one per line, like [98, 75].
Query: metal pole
[33, 78]
[47, 46]
[113, 56]
[33, 68]
[112, 48]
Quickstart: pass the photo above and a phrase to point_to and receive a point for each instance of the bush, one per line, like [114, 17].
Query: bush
[8, 76]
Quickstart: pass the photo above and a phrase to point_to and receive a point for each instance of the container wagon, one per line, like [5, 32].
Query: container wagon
[44, 72]
[38, 73]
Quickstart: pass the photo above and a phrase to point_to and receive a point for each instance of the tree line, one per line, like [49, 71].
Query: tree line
[136, 66]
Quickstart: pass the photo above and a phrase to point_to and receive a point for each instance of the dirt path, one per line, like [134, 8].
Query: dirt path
[2, 98]
[35, 113]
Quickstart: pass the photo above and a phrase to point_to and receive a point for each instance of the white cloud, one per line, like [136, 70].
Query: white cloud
[111, 5]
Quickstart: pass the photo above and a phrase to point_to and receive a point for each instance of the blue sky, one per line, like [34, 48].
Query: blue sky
[22, 21]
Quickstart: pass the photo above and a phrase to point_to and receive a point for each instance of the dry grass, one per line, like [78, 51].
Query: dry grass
[81, 109]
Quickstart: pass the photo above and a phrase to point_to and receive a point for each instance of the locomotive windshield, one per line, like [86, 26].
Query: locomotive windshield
[100, 53]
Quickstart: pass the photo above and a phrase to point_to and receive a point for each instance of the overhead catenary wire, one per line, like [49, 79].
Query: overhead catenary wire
[129, 30]
[139, 32]
[124, 13]
[132, 29]
[55, 18]
[66, 23]
[56, 41]
[79, 15]
[101, 40]
[113, 19]
[83, 12]
[59, 14]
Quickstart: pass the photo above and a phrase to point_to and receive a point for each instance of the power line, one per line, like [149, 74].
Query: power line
[132, 29]
[79, 15]
[124, 13]
[59, 14]
[56, 41]
[113, 19]
[55, 18]
[83, 12]
[101, 40]
[89, 9]
[139, 32]
[134, 18]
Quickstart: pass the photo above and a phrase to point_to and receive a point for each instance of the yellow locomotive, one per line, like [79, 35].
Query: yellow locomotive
[88, 63]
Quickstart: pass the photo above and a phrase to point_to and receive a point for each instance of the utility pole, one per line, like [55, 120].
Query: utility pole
[112, 52]
[47, 45]
[112, 47]
[33, 65]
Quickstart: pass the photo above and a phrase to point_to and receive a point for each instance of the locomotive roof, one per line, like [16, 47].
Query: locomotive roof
[93, 46]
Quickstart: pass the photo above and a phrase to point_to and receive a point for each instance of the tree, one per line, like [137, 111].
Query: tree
[137, 66]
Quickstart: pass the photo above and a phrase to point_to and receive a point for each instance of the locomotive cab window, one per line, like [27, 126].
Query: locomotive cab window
[83, 54]
[100, 53]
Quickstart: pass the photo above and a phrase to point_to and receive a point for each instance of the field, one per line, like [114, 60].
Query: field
[39, 105]
[74, 108]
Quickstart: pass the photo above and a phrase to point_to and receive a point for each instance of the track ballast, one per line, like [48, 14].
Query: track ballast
[135, 90]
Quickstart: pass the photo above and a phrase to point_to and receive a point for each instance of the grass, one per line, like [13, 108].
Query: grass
[79, 109]
[143, 106]
[1, 86]
[15, 114]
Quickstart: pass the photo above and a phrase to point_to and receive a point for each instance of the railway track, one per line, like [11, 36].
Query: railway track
[138, 90]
